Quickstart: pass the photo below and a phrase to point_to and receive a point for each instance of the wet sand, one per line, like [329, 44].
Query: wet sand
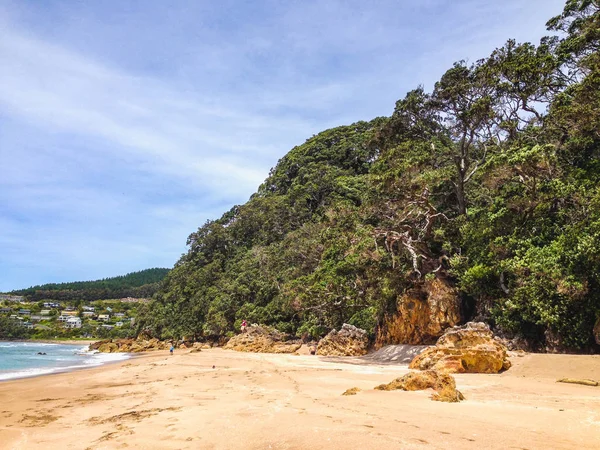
[258, 401]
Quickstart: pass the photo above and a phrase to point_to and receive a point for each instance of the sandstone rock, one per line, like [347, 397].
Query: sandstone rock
[349, 341]
[129, 345]
[469, 348]
[422, 315]
[443, 384]
[262, 339]
[109, 347]
[351, 391]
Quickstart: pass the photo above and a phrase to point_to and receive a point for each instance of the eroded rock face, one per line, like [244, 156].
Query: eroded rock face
[423, 313]
[349, 341]
[261, 339]
[470, 348]
[443, 384]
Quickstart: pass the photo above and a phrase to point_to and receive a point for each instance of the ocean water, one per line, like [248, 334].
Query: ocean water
[21, 359]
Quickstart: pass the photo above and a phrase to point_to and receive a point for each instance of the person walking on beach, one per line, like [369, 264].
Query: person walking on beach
[172, 348]
[244, 326]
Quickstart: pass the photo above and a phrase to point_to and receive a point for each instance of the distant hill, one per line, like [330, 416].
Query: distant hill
[135, 284]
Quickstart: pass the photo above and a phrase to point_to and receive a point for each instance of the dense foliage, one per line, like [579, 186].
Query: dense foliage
[142, 284]
[490, 181]
[12, 329]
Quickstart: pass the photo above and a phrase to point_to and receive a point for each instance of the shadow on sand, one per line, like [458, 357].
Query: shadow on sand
[388, 355]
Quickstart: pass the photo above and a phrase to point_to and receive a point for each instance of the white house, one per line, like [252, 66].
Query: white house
[88, 313]
[104, 317]
[73, 322]
[89, 308]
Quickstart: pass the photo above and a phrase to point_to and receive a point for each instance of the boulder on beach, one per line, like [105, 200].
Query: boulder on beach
[470, 348]
[349, 341]
[263, 339]
[442, 383]
[129, 345]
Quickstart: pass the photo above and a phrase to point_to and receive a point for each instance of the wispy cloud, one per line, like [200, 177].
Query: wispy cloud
[123, 127]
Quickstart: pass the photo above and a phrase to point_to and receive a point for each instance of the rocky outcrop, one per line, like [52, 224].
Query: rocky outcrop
[130, 345]
[349, 341]
[596, 331]
[443, 384]
[262, 339]
[422, 315]
[470, 348]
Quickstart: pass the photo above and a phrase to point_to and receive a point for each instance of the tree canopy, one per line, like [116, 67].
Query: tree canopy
[490, 181]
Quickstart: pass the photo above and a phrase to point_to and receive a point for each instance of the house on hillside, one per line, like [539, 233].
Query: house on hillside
[66, 312]
[88, 313]
[108, 327]
[63, 318]
[27, 325]
[5, 310]
[45, 312]
[24, 312]
[51, 305]
[89, 308]
[73, 322]
[120, 315]
[104, 317]
[119, 324]
[37, 318]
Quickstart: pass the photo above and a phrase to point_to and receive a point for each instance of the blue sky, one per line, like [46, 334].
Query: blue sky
[125, 125]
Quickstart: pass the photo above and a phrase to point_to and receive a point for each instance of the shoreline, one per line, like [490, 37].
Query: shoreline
[214, 398]
[54, 341]
[91, 361]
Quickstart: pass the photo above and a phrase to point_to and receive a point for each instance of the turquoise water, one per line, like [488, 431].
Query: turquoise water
[21, 359]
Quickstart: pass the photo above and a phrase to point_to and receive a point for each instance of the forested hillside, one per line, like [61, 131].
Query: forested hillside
[489, 182]
[144, 283]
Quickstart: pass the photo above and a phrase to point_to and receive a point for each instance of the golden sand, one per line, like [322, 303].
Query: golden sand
[262, 401]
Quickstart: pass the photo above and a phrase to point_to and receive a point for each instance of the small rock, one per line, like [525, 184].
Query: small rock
[351, 391]
[443, 384]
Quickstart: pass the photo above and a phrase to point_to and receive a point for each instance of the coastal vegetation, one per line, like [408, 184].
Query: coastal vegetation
[489, 182]
[141, 284]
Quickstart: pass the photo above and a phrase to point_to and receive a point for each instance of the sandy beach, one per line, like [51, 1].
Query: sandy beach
[262, 401]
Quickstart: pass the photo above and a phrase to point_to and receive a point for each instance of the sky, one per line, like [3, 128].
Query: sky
[125, 125]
